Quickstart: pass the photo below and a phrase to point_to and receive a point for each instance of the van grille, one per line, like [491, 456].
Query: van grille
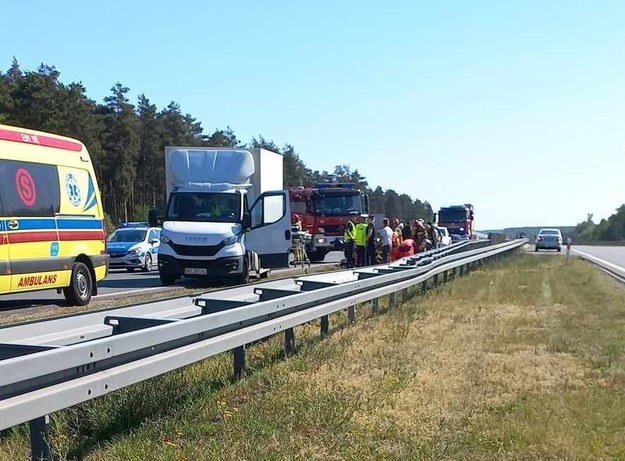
[196, 250]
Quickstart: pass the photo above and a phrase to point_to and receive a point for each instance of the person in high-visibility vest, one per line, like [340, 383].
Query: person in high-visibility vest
[361, 243]
[348, 238]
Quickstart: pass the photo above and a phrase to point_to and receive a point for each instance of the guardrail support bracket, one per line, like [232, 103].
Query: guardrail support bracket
[289, 341]
[238, 354]
[351, 314]
[40, 439]
[325, 326]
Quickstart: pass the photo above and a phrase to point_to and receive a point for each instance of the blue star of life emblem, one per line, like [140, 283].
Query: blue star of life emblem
[72, 189]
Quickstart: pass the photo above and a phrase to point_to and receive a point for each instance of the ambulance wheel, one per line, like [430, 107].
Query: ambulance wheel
[81, 285]
[147, 266]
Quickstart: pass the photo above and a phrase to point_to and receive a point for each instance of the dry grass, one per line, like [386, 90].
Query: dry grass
[522, 360]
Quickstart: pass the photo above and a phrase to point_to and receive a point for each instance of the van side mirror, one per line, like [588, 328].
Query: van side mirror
[152, 218]
[246, 221]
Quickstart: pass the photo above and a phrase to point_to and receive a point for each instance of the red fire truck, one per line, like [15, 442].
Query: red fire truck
[323, 210]
[458, 220]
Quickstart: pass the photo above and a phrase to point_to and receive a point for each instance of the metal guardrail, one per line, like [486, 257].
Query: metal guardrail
[614, 270]
[47, 366]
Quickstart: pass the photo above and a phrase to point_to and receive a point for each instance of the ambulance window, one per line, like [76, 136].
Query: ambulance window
[29, 189]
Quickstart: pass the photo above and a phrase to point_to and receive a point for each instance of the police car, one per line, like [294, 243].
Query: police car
[134, 246]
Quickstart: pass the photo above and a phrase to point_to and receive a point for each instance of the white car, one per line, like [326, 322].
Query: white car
[549, 239]
[134, 246]
[445, 237]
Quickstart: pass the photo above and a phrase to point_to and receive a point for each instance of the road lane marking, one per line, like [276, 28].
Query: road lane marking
[601, 261]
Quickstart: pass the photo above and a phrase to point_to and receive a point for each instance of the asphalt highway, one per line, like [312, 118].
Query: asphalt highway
[614, 255]
[120, 283]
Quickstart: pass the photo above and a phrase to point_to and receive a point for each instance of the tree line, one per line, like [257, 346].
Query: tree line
[608, 230]
[126, 142]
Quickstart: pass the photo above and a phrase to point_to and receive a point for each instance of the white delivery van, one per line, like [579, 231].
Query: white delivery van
[226, 216]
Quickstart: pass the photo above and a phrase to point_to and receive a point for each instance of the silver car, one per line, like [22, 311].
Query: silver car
[549, 239]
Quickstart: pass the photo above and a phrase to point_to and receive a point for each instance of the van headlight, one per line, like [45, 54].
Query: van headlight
[165, 239]
[231, 240]
[135, 251]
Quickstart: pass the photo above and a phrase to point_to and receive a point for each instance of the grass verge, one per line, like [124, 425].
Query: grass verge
[519, 360]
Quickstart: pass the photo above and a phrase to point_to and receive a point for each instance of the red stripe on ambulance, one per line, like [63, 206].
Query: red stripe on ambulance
[40, 140]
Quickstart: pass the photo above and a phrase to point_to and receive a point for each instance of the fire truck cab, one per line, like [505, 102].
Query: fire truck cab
[323, 210]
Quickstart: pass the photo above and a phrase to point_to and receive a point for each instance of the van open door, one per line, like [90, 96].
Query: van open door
[270, 234]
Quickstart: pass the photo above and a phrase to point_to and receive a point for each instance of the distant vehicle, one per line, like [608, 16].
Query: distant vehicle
[324, 210]
[445, 237]
[458, 220]
[549, 239]
[134, 246]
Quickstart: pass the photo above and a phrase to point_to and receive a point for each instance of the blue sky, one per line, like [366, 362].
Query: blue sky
[515, 106]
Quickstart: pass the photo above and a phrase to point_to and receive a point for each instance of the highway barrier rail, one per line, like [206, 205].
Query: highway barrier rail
[611, 268]
[49, 365]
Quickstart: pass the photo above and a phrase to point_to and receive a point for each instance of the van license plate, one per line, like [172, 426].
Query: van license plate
[195, 271]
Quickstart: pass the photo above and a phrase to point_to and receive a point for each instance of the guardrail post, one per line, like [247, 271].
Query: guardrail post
[40, 439]
[325, 326]
[375, 306]
[404, 295]
[391, 300]
[351, 314]
[238, 354]
[424, 287]
[445, 277]
[435, 280]
[289, 341]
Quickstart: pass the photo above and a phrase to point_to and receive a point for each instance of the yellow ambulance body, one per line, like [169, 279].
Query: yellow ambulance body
[52, 232]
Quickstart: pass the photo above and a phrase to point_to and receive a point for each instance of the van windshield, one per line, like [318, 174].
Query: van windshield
[204, 207]
[128, 235]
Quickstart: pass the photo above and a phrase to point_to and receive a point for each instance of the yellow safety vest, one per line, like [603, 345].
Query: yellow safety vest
[361, 234]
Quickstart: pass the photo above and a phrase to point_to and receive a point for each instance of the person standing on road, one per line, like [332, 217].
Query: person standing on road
[348, 238]
[361, 243]
[386, 238]
[371, 237]
[396, 226]
[432, 234]
[419, 235]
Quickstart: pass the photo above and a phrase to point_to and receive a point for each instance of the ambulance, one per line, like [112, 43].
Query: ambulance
[52, 232]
